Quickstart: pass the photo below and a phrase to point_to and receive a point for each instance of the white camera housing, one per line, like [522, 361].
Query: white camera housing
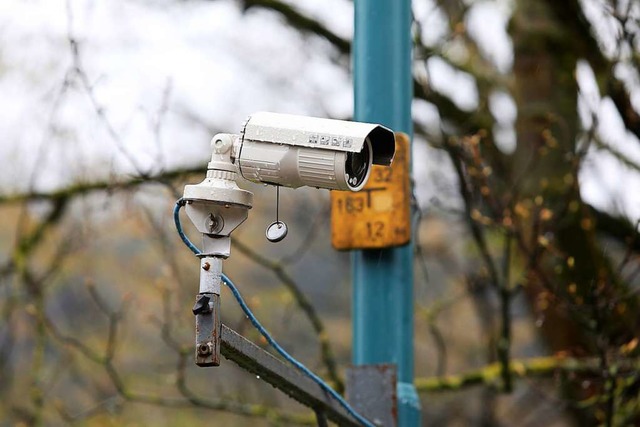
[294, 151]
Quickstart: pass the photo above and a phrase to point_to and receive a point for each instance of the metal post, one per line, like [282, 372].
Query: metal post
[207, 312]
[383, 279]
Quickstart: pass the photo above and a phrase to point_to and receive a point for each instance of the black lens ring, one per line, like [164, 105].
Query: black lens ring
[357, 165]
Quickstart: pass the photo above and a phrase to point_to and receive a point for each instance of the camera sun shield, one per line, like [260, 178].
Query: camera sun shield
[295, 151]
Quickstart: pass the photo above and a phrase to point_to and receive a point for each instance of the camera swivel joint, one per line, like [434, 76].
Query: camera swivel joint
[216, 206]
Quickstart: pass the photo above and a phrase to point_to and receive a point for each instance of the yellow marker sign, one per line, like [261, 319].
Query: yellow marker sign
[378, 216]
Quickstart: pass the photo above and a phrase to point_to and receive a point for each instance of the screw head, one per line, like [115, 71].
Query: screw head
[214, 223]
[221, 144]
[204, 349]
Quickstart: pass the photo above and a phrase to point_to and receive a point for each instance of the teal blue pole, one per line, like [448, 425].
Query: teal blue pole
[383, 279]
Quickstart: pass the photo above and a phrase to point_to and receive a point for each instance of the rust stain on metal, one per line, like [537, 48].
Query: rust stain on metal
[394, 396]
[371, 389]
[207, 348]
[215, 333]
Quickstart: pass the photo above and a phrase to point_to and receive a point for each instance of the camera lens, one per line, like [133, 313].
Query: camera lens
[358, 165]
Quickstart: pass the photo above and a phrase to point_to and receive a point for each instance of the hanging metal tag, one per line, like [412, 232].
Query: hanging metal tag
[277, 231]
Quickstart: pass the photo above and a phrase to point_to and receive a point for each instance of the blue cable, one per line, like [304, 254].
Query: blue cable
[254, 321]
[176, 219]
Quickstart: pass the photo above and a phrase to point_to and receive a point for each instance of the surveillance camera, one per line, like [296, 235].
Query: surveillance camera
[294, 151]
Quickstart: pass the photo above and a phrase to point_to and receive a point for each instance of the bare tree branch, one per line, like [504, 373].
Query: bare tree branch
[305, 305]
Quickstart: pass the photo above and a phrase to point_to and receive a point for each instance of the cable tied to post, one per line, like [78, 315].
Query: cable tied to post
[254, 321]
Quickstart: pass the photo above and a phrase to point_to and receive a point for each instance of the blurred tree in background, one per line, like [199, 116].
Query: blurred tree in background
[527, 271]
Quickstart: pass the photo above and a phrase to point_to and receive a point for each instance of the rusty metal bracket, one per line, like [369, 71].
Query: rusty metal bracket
[286, 378]
[371, 390]
[207, 312]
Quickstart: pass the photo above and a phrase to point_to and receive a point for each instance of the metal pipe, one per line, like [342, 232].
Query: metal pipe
[207, 312]
[383, 279]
